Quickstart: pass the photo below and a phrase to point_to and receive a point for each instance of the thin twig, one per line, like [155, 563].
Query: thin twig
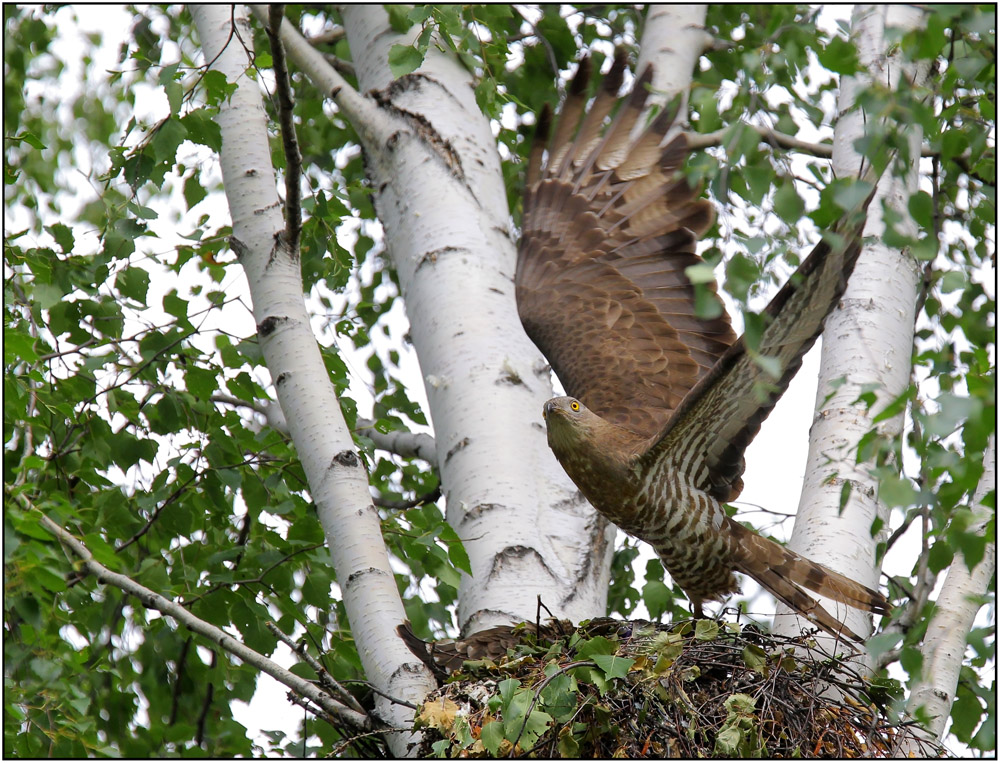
[325, 679]
[152, 600]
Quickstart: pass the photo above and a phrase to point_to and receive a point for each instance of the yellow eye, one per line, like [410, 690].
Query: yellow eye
[574, 406]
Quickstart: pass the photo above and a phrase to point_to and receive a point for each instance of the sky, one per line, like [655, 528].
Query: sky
[774, 471]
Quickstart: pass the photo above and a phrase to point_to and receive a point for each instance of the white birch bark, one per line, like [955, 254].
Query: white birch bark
[337, 479]
[440, 197]
[954, 614]
[673, 38]
[867, 339]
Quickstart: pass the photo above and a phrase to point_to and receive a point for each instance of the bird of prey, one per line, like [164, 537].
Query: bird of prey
[662, 403]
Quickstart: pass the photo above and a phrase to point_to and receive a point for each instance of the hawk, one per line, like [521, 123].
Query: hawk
[663, 403]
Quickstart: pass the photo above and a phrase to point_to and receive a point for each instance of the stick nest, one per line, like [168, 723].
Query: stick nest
[638, 689]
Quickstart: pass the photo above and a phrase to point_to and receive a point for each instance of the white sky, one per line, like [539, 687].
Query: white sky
[774, 470]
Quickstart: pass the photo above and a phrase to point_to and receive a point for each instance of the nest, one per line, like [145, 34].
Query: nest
[689, 690]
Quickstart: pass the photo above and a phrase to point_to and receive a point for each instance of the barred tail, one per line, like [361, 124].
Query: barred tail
[781, 572]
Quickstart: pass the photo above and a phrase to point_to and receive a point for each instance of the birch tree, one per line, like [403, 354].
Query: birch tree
[211, 444]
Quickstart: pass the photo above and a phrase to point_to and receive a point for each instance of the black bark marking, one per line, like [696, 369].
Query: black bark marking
[478, 511]
[346, 458]
[282, 378]
[516, 552]
[421, 127]
[461, 444]
[355, 576]
[433, 255]
[413, 668]
[270, 324]
[509, 376]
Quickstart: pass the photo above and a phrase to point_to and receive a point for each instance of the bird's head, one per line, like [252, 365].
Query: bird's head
[568, 421]
[595, 453]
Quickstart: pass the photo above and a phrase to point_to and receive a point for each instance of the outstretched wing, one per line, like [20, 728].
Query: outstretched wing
[609, 227]
[712, 427]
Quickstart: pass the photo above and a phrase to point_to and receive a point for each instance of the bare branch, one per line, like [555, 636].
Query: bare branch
[325, 679]
[293, 158]
[327, 37]
[401, 442]
[153, 600]
[363, 114]
[344, 67]
[767, 135]
[697, 140]
[419, 500]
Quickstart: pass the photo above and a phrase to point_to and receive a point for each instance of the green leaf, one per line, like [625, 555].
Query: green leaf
[966, 713]
[755, 658]
[657, 597]
[787, 202]
[897, 491]
[133, 282]
[940, 556]
[507, 687]
[595, 646]
[612, 665]
[404, 59]
[31, 139]
[175, 96]
[700, 273]
[921, 208]
[706, 630]
[850, 195]
[768, 364]
[559, 696]
[839, 56]
[63, 236]
[170, 135]
[399, 17]
[492, 735]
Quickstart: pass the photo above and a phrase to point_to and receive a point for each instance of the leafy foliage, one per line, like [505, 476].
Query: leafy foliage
[135, 396]
[633, 689]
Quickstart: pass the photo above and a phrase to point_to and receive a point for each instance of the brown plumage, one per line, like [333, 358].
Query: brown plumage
[664, 402]
[446, 656]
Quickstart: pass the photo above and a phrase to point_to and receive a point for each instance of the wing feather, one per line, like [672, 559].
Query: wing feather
[711, 428]
[609, 228]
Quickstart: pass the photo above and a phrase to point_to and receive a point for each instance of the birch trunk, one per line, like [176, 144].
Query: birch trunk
[954, 614]
[337, 479]
[673, 38]
[440, 197]
[867, 340]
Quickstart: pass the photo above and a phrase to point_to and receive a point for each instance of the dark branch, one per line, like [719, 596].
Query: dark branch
[293, 159]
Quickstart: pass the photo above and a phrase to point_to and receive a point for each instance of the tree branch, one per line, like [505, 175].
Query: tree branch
[945, 642]
[293, 158]
[344, 67]
[401, 442]
[328, 37]
[767, 135]
[697, 140]
[419, 500]
[153, 600]
[366, 118]
[325, 679]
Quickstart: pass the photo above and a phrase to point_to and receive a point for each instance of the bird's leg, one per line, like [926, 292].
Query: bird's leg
[696, 611]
